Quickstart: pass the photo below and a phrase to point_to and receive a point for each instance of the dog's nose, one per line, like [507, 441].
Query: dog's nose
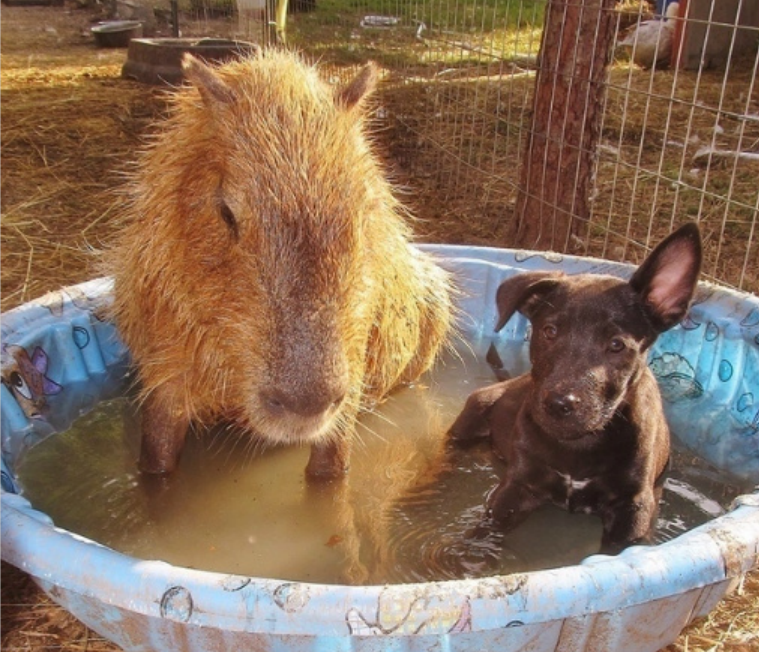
[561, 405]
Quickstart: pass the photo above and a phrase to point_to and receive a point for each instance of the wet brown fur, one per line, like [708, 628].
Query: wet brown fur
[264, 248]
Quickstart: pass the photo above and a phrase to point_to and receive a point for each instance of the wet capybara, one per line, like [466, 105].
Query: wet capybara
[265, 273]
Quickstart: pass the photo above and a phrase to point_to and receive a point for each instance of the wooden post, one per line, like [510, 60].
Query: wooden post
[280, 21]
[556, 177]
[678, 38]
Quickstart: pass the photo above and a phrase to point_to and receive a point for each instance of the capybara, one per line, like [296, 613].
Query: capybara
[585, 428]
[265, 274]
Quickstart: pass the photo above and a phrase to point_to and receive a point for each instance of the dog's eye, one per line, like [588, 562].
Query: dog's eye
[550, 331]
[616, 345]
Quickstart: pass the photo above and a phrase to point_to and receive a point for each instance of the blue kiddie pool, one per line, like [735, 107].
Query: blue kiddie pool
[60, 358]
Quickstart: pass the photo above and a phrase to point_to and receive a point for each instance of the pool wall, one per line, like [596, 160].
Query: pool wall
[61, 356]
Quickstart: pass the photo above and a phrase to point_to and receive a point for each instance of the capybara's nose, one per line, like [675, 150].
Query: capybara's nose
[309, 403]
[560, 404]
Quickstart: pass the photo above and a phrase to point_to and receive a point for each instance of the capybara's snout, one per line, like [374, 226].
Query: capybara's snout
[308, 403]
[302, 406]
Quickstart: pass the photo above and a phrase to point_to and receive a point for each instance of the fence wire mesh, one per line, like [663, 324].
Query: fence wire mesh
[679, 134]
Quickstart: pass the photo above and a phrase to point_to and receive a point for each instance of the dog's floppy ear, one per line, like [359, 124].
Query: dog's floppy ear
[523, 292]
[667, 278]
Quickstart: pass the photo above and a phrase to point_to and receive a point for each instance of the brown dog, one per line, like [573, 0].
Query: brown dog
[585, 428]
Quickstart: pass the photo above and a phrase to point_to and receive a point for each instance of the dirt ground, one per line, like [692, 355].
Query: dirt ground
[70, 126]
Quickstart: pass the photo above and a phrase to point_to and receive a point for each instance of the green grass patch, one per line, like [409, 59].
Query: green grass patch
[433, 32]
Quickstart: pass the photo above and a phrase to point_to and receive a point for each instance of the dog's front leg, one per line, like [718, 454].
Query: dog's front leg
[511, 502]
[473, 422]
[628, 522]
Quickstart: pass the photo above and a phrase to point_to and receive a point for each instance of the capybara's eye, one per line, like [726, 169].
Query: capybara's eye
[229, 218]
[616, 345]
[550, 331]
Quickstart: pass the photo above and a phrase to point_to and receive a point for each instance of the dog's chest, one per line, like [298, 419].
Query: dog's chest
[577, 494]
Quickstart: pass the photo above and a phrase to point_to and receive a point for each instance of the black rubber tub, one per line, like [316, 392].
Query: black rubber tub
[159, 60]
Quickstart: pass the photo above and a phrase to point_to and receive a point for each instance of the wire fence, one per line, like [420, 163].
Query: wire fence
[678, 130]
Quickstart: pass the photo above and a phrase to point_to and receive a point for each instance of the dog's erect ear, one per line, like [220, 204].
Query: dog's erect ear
[523, 292]
[667, 278]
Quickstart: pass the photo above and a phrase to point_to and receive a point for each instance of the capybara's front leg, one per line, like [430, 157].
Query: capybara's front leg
[163, 435]
[473, 423]
[329, 460]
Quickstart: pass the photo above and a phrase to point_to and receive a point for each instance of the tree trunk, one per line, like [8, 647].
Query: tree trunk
[556, 178]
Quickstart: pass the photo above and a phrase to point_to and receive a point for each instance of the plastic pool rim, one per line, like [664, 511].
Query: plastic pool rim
[81, 573]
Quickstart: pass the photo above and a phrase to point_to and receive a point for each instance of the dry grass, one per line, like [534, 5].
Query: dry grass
[69, 126]
[732, 626]
[31, 622]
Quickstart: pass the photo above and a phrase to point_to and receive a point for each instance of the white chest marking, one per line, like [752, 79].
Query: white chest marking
[574, 485]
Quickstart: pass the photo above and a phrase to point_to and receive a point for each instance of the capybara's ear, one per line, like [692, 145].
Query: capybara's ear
[212, 88]
[667, 279]
[522, 292]
[361, 86]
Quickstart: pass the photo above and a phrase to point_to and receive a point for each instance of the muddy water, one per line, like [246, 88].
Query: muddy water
[409, 510]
